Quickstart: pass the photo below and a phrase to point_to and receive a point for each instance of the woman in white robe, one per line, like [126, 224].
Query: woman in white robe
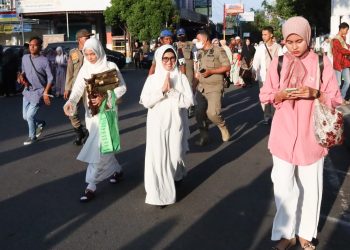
[61, 68]
[167, 95]
[100, 166]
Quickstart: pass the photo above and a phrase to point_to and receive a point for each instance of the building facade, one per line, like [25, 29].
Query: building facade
[340, 12]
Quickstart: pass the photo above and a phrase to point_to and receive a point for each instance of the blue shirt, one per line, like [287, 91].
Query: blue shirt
[38, 81]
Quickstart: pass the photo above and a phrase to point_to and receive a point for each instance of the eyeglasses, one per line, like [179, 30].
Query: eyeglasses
[166, 59]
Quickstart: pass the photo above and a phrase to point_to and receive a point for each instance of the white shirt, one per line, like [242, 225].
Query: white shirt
[259, 62]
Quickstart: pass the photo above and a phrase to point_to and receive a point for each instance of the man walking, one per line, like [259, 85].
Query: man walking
[213, 63]
[37, 77]
[261, 63]
[341, 55]
[75, 61]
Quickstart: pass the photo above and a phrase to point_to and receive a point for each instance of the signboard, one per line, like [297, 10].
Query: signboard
[233, 9]
[202, 3]
[37, 6]
[15, 28]
[7, 17]
[246, 17]
[201, 7]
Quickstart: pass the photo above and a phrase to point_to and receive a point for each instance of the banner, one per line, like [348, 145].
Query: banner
[233, 9]
[14, 28]
[8, 17]
[37, 6]
[246, 17]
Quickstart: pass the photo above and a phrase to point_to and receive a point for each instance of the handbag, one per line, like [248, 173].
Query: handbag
[108, 127]
[329, 125]
[328, 122]
[227, 82]
[245, 71]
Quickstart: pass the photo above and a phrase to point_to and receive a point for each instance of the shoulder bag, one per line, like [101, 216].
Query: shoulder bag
[328, 122]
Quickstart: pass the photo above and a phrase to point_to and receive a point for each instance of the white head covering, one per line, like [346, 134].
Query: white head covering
[100, 65]
[161, 72]
[59, 58]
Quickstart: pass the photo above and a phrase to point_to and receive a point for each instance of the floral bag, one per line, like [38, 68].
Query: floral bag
[328, 122]
[329, 125]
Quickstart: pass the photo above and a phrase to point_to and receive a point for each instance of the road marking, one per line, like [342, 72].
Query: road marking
[336, 221]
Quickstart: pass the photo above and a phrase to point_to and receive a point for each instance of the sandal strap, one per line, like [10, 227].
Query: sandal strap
[308, 245]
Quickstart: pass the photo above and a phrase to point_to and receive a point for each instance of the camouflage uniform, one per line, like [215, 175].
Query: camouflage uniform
[209, 93]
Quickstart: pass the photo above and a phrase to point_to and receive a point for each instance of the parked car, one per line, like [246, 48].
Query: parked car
[113, 56]
[147, 60]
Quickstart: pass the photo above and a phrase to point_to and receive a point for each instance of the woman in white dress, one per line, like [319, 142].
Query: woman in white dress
[167, 95]
[100, 166]
[61, 68]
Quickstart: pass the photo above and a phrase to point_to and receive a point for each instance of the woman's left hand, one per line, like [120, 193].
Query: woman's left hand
[305, 92]
[97, 101]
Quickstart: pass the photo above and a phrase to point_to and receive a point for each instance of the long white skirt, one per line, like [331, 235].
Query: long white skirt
[101, 166]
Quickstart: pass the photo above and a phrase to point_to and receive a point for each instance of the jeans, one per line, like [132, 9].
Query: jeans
[29, 114]
[345, 73]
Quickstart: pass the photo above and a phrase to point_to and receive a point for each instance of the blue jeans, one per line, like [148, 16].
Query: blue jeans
[345, 73]
[29, 114]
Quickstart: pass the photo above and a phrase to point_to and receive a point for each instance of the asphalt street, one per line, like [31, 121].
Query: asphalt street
[225, 202]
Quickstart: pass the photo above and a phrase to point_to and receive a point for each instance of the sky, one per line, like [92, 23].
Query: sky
[218, 8]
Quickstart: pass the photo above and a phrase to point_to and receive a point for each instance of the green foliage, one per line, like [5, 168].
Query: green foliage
[143, 19]
[275, 14]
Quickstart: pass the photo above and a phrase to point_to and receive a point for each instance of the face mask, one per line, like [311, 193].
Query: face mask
[182, 39]
[199, 45]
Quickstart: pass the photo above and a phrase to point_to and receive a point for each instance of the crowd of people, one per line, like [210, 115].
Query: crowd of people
[10, 65]
[188, 74]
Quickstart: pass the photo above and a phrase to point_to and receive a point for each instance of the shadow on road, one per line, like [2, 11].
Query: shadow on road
[43, 216]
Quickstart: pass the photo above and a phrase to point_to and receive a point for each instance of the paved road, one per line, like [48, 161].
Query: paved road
[226, 202]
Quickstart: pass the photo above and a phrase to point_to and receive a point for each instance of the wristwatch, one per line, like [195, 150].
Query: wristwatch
[318, 94]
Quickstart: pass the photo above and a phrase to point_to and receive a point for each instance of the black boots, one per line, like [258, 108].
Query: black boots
[203, 138]
[81, 136]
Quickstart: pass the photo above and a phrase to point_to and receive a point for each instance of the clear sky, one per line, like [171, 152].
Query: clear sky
[218, 7]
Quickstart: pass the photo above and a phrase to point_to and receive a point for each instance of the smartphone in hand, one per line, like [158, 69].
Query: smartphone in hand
[289, 90]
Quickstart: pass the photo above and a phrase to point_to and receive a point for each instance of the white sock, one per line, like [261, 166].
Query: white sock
[92, 187]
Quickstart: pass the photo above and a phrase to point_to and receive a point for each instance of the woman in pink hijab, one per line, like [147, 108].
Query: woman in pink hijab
[297, 158]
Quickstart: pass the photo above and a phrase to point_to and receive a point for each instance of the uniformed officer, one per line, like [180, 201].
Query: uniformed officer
[75, 61]
[213, 63]
[184, 50]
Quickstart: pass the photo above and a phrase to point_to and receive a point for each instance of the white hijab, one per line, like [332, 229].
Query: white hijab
[100, 65]
[161, 73]
[59, 58]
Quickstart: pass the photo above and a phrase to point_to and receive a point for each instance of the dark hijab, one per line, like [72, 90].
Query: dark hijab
[248, 52]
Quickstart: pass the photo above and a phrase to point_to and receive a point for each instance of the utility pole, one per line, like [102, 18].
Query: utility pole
[208, 12]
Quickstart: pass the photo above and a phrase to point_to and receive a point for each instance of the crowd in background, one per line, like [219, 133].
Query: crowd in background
[10, 65]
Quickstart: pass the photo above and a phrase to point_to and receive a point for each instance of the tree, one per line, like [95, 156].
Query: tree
[276, 13]
[143, 19]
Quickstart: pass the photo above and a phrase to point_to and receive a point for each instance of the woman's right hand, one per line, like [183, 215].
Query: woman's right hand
[166, 86]
[68, 108]
[284, 95]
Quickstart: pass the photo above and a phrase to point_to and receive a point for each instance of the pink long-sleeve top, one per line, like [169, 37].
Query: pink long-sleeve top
[292, 131]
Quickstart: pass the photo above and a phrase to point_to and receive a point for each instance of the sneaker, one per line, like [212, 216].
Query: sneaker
[116, 177]
[87, 196]
[40, 129]
[29, 141]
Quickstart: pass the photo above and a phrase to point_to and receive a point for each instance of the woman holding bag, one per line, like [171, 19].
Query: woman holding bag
[298, 159]
[167, 95]
[100, 166]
